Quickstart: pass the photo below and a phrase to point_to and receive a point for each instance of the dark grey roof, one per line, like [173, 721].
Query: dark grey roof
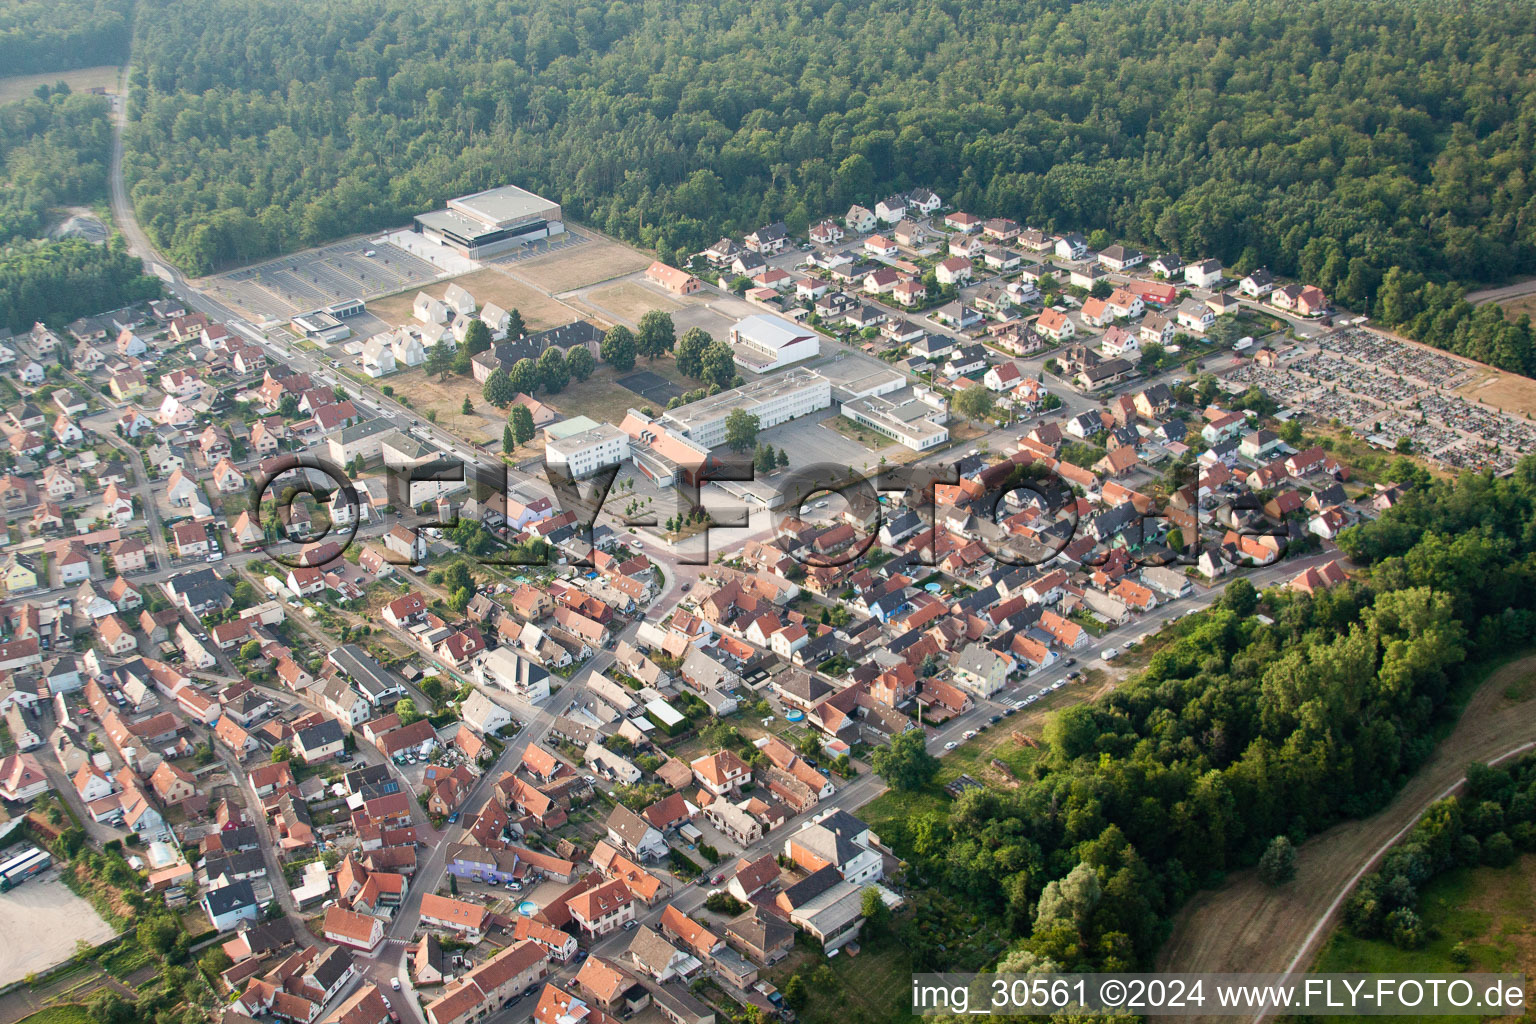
[801, 684]
[330, 967]
[980, 600]
[265, 936]
[233, 896]
[819, 649]
[241, 837]
[372, 679]
[236, 863]
[201, 587]
[1112, 521]
[761, 931]
[813, 885]
[369, 775]
[578, 333]
[320, 734]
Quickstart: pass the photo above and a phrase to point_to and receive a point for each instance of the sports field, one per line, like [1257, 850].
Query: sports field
[596, 260]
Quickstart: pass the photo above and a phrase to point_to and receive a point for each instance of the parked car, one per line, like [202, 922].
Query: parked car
[1111, 653]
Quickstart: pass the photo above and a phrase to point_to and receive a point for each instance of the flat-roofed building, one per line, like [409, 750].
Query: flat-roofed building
[662, 453]
[487, 223]
[773, 400]
[321, 326]
[904, 416]
[584, 453]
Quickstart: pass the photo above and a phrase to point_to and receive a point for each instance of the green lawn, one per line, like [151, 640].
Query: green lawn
[972, 758]
[867, 988]
[70, 1013]
[1488, 911]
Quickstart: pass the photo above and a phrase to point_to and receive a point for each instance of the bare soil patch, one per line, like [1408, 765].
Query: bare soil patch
[629, 301]
[1520, 304]
[446, 399]
[597, 259]
[53, 919]
[1507, 391]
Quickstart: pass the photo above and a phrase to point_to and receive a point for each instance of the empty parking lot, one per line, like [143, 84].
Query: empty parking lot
[309, 280]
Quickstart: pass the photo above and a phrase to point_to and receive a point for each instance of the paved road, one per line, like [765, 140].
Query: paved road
[275, 876]
[142, 487]
[1500, 294]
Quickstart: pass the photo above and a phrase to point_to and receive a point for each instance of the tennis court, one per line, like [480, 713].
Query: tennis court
[652, 387]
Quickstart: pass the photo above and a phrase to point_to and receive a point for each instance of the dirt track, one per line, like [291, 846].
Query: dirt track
[1247, 926]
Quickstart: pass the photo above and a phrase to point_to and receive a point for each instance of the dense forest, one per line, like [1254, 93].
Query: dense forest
[40, 36]
[1239, 732]
[54, 151]
[59, 281]
[1329, 141]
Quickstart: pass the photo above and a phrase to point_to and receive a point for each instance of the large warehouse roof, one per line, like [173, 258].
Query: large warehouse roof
[771, 332]
[500, 207]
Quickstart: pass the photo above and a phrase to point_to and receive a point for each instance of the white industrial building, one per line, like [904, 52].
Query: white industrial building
[585, 453]
[495, 221]
[773, 400]
[765, 342]
[915, 417]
